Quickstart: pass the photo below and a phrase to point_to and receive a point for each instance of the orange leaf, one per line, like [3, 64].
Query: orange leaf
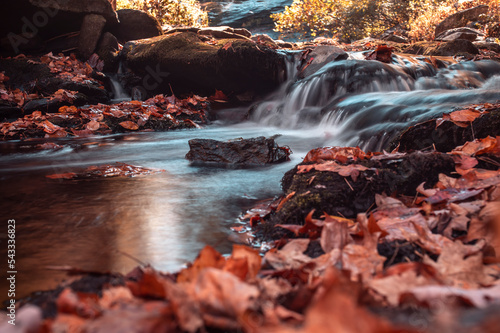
[478, 146]
[68, 109]
[219, 96]
[67, 175]
[48, 127]
[341, 154]
[352, 170]
[468, 115]
[149, 284]
[93, 125]
[227, 46]
[130, 125]
[208, 257]
[252, 260]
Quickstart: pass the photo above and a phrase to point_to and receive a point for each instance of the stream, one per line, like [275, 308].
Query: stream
[165, 219]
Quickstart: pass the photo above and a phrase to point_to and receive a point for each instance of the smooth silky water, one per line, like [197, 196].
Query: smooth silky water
[165, 219]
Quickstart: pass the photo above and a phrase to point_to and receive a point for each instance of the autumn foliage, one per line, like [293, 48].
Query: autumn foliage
[171, 12]
[353, 20]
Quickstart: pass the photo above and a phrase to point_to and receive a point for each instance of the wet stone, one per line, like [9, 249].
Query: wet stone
[239, 152]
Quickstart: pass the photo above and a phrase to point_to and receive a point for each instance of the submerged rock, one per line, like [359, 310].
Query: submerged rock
[239, 152]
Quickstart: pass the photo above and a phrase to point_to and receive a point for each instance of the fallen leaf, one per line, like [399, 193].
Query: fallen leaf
[130, 125]
[93, 125]
[252, 257]
[352, 170]
[84, 305]
[48, 127]
[222, 295]
[478, 147]
[67, 175]
[149, 284]
[480, 298]
[452, 195]
[290, 256]
[208, 257]
[461, 265]
[340, 154]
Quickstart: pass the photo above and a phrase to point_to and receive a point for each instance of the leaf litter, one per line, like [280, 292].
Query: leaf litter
[452, 228]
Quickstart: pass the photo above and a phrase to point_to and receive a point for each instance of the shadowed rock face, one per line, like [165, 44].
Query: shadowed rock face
[41, 26]
[461, 18]
[244, 152]
[136, 24]
[185, 63]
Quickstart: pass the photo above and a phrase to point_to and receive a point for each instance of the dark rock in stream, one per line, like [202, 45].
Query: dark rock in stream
[240, 152]
[448, 135]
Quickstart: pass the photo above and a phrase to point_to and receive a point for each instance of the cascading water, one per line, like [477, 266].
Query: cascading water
[119, 94]
[361, 102]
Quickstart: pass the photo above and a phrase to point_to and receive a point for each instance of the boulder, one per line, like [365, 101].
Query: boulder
[447, 135]
[185, 63]
[136, 24]
[239, 152]
[455, 47]
[41, 26]
[90, 33]
[390, 37]
[225, 32]
[495, 47]
[264, 39]
[331, 193]
[316, 58]
[107, 51]
[100, 7]
[459, 33]
[461, 18]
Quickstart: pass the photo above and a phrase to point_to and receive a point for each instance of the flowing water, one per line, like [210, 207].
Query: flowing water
[165, 219]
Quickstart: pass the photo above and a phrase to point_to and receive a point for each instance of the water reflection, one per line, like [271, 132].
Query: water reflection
[162, 219]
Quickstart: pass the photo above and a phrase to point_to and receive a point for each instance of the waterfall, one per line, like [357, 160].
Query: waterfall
[364, 102]
[119, 94]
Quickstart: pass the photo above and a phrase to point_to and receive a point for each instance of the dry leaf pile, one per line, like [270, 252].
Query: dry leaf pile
[157, 113]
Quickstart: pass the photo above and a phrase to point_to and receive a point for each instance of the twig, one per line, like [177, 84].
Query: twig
[348, 184]
[142, 263]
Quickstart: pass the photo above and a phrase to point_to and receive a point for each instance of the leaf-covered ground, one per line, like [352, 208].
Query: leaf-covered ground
[157, 113]
[424, 263]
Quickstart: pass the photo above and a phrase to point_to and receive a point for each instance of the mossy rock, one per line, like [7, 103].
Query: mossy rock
[328, 192]
[185, 63]
[448, 135]
[459, 47]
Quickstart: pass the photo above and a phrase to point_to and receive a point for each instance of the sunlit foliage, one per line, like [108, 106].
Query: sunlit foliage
[350, 19]
[171, 12]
